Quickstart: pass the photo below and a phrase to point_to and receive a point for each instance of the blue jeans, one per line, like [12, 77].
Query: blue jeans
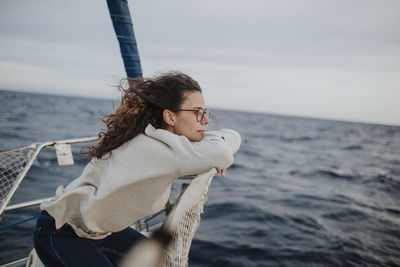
[63, 247]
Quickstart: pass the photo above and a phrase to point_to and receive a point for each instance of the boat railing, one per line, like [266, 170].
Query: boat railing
[182, 212]
[15, 164]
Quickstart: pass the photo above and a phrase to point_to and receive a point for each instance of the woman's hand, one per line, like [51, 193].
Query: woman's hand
[222, 171]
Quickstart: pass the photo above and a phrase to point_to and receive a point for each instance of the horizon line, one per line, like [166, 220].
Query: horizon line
[218, 108]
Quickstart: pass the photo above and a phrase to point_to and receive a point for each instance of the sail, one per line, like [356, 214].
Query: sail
[123, 27]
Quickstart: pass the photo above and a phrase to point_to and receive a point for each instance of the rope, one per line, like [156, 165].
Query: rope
[14, 224]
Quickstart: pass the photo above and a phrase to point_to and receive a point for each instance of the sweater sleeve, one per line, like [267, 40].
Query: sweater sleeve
[215, 150]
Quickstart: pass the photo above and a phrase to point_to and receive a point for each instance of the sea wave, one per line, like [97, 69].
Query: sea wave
[302, 192]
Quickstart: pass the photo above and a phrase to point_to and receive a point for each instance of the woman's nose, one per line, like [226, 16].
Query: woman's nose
[206, 120]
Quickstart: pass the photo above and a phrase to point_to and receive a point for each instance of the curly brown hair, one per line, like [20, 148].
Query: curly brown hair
[143, 101]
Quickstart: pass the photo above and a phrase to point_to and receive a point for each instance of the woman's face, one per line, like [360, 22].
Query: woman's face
[185, 122]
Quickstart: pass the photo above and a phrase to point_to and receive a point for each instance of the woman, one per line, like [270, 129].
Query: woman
[156, 135]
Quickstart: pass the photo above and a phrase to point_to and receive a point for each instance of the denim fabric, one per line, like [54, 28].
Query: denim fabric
[63, 247]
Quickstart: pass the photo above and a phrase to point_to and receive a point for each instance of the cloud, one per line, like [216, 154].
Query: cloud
[337, 59]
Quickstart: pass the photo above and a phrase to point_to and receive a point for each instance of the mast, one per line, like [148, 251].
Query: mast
[123, 27]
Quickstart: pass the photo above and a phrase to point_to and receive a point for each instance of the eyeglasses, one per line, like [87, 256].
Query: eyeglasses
[199, 113]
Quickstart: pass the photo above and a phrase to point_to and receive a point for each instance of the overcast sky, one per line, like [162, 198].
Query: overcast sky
[329, 59]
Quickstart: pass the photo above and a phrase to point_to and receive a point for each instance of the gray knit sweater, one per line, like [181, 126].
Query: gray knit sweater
[136, 180]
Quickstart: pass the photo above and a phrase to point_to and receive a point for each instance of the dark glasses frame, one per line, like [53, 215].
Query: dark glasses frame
[200, 113]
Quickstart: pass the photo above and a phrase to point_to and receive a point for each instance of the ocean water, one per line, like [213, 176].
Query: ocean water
[302, 192]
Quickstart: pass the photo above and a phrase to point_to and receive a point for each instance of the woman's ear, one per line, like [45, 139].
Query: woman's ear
[169, 117]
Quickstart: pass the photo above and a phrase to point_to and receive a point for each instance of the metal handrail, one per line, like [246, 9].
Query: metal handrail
[38, 147]
[26, 204]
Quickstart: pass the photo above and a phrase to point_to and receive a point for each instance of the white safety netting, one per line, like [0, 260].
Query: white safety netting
[12, 163]
[184, 220]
